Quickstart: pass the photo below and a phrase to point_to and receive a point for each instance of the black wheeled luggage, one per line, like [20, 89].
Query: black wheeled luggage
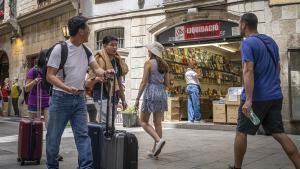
[112, 149]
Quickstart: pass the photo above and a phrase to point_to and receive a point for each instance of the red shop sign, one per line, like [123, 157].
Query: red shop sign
[198, 31]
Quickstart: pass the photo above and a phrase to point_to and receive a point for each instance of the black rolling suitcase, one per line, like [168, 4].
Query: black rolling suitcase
[112, 149]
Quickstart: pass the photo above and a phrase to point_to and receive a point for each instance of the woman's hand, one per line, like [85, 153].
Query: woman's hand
[124, 105]
[137, 103]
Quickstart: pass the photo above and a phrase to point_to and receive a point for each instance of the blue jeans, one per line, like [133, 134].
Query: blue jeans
[63, 108]
[193, 103]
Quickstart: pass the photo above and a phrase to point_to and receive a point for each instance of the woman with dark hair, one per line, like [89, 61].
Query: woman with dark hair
[155, 80]
[33, 78]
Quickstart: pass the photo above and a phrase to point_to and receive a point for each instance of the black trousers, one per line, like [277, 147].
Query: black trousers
[91, 109]
[15, 103]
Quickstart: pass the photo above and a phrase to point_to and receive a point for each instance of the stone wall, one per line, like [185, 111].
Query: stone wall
[35, 37]
[281, 23]
[26, 6]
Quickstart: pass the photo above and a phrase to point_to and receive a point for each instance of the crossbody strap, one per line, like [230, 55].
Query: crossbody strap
[269, 51]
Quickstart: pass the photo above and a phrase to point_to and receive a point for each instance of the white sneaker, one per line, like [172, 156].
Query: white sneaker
[150, 153]
[200, 121]
[158, 147]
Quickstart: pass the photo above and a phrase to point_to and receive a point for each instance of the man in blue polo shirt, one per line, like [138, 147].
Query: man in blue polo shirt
[262, 91]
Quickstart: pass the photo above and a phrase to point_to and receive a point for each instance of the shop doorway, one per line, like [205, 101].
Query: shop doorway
[215, 46]
[4, 66]
[220, 66]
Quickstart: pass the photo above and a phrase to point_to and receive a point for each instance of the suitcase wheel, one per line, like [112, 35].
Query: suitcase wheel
[22, 162]
[38, 162]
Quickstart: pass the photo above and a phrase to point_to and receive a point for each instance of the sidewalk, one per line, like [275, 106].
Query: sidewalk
[185, 149]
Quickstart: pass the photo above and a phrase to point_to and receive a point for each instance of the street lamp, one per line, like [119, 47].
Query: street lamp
[65, 31]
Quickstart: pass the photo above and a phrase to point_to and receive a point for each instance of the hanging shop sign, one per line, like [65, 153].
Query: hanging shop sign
[199, 30]
[1, 9]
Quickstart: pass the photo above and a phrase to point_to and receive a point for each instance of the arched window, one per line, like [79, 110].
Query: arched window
[117, 32]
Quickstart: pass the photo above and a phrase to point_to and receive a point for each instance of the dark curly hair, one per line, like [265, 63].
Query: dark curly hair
[75, 23]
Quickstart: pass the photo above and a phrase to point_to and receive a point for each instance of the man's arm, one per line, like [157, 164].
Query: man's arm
[51, 77]
[97, 69]
[122, 93]
[249, 84]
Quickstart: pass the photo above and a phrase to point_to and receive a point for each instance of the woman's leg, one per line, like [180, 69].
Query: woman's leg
[157, 119]
[144, 121]
[32, 115]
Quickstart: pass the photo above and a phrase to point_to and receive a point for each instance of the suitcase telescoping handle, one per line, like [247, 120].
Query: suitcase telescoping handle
[39, 100]
[110, 130]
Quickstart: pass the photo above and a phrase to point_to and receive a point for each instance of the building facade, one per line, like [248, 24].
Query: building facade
[137, 23]
[142, 22]
[26, 28]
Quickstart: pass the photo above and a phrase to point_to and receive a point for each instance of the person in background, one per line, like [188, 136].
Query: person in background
[15, 93]
[5, 95]
[193, 89]
[154, 83]
[108, 58]
[1, 103]
[262, 92]
[33, 78]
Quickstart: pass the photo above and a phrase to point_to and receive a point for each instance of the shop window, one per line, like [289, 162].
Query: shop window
[117, 32]
[1, 9]
[12, 8]
[294, 83]
[4, 66]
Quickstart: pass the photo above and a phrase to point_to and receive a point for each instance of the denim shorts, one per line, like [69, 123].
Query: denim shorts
[33, 109]
[269, 113]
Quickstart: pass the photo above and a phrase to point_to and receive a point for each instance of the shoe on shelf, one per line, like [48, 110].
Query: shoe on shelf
[158, 147]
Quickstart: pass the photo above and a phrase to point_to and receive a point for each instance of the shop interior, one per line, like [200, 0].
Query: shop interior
[220, 65]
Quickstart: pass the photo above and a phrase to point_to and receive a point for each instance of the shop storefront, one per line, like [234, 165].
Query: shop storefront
[215, 46]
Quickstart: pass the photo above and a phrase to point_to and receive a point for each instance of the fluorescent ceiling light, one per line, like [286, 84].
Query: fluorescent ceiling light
[200, 45]
[226, 48]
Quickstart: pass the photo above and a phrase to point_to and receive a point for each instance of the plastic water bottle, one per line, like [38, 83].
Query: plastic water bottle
[254, 119]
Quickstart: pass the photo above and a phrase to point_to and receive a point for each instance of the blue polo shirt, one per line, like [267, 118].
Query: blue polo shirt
[266, 76]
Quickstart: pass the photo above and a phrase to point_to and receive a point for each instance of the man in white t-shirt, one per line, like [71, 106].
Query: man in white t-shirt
[193, 90]
[67, 102]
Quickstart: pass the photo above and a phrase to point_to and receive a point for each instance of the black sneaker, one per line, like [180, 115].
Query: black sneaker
[59, 158]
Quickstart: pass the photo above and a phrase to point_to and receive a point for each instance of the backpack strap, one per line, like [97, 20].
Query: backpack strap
[269, 51]
[35, 72]
[64, 56]
[88, 53]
